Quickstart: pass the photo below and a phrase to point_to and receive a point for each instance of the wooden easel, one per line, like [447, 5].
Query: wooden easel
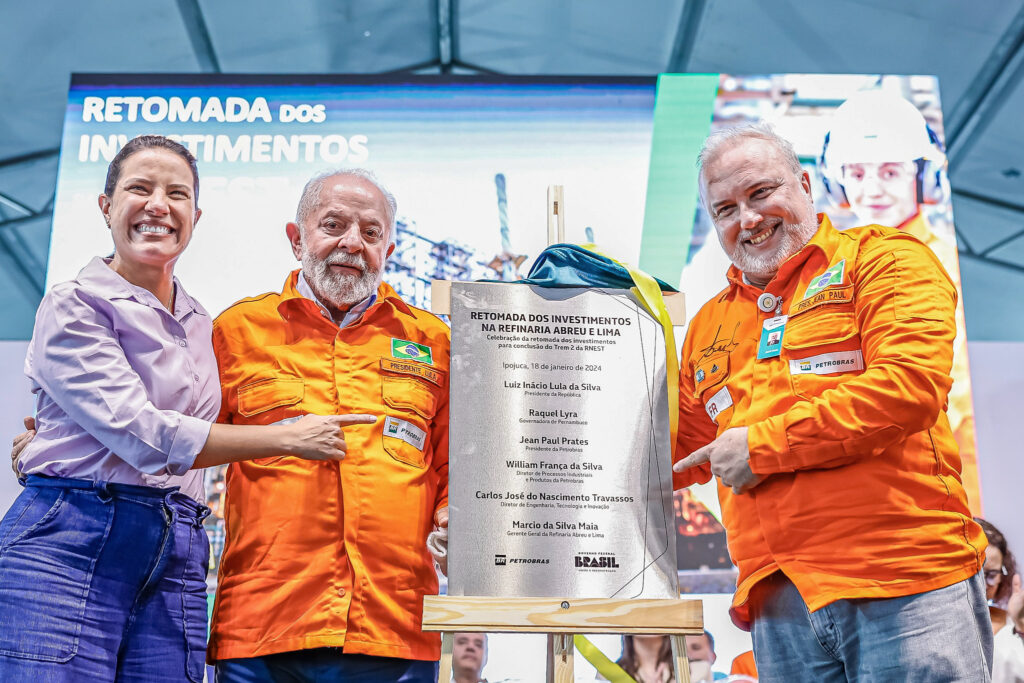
[561, 618]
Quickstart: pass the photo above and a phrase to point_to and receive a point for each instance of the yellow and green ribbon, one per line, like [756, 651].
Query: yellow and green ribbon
[599, 660]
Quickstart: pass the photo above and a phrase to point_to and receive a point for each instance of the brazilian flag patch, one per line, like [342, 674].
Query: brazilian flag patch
[407, 350]
[831, 277]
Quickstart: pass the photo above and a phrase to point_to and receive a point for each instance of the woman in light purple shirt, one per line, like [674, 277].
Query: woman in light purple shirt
[103, 557]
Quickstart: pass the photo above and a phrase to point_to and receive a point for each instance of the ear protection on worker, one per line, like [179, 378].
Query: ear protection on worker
[874, 126]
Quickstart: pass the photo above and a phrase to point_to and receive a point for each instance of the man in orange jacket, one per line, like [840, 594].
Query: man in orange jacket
[814, 388]
[325, 565]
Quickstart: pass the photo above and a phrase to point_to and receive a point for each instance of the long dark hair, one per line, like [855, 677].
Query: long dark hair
[628, 661]
[996, 538]
[137, 144]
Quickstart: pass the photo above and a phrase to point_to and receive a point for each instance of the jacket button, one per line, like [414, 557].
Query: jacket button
[341, 592]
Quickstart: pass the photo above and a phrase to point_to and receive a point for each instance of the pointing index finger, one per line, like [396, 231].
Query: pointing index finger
[698, 457]
[356, 419]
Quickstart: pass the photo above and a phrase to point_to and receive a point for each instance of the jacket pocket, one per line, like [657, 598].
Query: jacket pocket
[410, 395]
[821, 327]
[273, 399]
[46, 573]
[710, 384]
[411, 404]
[266, 394]
[821, 348]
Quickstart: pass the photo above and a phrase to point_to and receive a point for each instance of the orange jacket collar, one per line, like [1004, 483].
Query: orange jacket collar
[823, 242]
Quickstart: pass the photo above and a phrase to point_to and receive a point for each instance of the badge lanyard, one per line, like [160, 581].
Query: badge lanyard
[773, 329]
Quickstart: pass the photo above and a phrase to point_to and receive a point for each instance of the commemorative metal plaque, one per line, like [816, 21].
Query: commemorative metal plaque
[560, 475]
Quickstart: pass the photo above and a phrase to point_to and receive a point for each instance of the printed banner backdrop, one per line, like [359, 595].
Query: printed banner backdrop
[439, 145]
[469, 159]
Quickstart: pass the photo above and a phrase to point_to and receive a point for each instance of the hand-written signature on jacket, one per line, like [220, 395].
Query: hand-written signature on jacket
[718, 346]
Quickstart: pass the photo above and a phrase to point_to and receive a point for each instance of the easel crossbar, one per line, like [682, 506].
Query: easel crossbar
[562, 615]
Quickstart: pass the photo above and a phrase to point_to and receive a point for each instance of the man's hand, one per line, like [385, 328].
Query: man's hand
[437, 541]
[20, 441]
[729, 458]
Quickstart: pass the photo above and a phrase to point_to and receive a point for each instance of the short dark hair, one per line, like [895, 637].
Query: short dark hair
[137, 144]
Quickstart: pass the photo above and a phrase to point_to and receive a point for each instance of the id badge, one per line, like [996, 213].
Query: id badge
[772, 331]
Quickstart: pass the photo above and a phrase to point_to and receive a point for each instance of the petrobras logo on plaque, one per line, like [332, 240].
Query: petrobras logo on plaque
[504, 560]
[596, 561]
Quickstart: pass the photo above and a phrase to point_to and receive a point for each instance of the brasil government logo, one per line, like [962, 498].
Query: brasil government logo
[407, 350]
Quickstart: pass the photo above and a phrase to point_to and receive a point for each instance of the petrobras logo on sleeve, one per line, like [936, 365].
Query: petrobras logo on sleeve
[719, 402]
[828, 363]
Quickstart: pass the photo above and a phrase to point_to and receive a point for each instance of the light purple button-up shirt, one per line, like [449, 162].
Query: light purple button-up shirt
[125, 391]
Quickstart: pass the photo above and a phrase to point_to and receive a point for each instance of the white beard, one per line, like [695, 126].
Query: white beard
[792, 239]
[339, 290]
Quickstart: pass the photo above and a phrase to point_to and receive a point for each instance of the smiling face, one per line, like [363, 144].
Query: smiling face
[343, 244]
[883, 193]
[151, 211]
[761, 208]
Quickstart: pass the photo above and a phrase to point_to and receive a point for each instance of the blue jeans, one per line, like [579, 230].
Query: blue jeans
[325, 665]
[101, 582]
[934, 637]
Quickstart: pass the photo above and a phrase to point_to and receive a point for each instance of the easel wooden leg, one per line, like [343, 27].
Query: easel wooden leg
[445, 665]
[681, 662]
[560, 658]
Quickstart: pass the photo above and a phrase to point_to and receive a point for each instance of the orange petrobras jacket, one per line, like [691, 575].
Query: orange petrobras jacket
[332, 554]
[862, 496]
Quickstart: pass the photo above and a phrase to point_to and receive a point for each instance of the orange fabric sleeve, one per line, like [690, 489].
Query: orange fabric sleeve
[905, 313]
[744, 664]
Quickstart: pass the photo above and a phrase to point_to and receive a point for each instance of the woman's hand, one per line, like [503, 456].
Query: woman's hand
[20, 441]
[321, 437]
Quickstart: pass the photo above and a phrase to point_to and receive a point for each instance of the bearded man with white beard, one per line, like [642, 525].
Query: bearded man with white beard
[814, 388]
[324, 568]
